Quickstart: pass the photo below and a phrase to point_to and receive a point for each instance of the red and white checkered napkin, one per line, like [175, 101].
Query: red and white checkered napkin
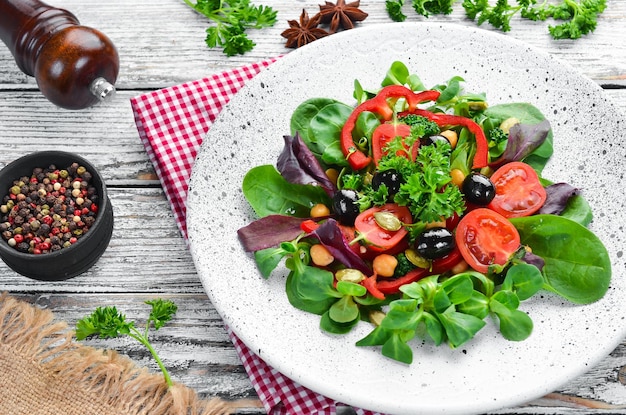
[172, 123]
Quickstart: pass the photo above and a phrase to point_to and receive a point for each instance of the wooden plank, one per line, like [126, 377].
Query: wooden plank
[162, 43]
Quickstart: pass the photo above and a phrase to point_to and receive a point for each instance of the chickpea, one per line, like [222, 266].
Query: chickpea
[452, 137]
[320, 255]
[508, 123]
[320, 210]
[457, 177]
[376, 317]
[460, 267]
[384, 265]
[441, 223]
[333, 175]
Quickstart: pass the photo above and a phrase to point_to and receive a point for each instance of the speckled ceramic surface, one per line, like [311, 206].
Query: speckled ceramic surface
[489, 372]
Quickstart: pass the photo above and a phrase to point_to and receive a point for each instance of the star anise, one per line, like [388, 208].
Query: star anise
[341, 14]
[303, 32]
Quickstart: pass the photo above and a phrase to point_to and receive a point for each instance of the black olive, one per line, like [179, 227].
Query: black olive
[432, 139]
[478, 189]
[435, 243]
[345, 206]
[390, 178]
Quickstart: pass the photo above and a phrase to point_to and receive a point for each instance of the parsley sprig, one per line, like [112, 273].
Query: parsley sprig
[108, 322]
[575, 17]
[579, 17]
[426, 192]
[232, 18]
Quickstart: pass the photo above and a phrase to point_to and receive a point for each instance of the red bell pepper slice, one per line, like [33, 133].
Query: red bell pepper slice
[309, 225]
[378, 289]
[379, 106]
[393, 286]
[481, 158]
[370, 283]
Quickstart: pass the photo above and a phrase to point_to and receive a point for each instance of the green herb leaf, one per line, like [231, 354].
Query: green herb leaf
[162, 312]
[394, 9]
[515, 325]
[397, 349]
[578, 17]
[319, 122]
[108, 322]
[232, 19]
[344, 310]
[331, 326]
[523, 279]
[426, 192]
[459, 327]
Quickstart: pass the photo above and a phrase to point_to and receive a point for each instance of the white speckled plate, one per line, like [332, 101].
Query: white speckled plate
[488, 373]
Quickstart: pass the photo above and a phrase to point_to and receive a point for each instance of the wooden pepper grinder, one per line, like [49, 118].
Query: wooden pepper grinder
[75, 66]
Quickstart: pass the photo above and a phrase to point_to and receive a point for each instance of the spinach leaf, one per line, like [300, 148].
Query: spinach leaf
[269, 193]
[578, 210]
[301, 117]
[319, 122]
[577, 265]
[325, 133]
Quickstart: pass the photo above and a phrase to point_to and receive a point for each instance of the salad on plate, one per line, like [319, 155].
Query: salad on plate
[423, 212]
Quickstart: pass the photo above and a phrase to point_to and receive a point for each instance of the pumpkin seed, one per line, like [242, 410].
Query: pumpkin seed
[388, 221]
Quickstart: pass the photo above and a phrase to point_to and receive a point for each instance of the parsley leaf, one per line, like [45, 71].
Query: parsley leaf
[394, 9]
[499, 16]
[162, 312]
[426, 192]
[232, 18]
[425, 7]
[576, 17]
[580, 17]
[108, 322]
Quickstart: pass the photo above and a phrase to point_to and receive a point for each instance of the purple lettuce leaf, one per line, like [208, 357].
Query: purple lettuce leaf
[558, 195]
[330, 235]
[535, 260]
[297, 164]
[269, 231]
[523, 140]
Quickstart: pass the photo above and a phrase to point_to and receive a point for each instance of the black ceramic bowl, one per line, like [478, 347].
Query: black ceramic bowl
[80, 256]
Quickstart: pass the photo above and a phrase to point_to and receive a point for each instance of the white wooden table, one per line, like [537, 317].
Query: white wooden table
[161, 43]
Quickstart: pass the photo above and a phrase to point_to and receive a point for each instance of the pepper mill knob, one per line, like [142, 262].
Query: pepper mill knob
[75, 66]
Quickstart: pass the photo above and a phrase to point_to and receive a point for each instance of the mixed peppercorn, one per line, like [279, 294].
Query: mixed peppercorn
[50, 210]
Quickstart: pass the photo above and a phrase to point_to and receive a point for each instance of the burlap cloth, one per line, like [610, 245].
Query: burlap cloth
[44, 371]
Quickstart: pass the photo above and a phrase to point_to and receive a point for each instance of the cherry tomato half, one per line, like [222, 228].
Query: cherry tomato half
[381, 239]
[518, 190]
[485, 237]
[386, 132]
